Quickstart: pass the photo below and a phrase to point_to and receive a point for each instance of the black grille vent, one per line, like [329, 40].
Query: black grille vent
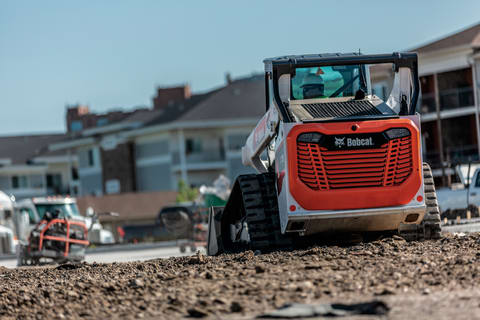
[341, 109]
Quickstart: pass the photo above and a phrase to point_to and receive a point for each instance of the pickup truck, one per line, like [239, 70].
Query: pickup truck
[172, 223]
[463, 195]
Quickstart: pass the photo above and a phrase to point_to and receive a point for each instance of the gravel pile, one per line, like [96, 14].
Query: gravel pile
[430, 278]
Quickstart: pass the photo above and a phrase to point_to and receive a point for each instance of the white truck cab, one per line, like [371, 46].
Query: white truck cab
[33, 211]
[7, 241]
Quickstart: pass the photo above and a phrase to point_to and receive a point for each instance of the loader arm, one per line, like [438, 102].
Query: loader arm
[259, 139]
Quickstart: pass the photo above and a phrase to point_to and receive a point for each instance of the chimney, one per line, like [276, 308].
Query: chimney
[228, 78]
[77, 110]
[75, 113]
[170, 96]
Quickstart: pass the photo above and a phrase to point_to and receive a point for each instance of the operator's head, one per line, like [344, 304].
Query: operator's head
[313, 84]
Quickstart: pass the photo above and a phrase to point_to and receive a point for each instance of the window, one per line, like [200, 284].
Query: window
[380, 91]
[193, 145]
[86, 158]
[74, 173]
[236, 141]
[102, 122]
[328, 82]
[31, 216]
[4, 182]
[477, 182]
[91, 160]
[66, 210]
[54, 182]
[76, 126]
[19, 182]
[112, 186]
[36, 181]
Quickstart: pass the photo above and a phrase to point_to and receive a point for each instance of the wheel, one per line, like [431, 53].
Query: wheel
[193, 248]
[183, 248]
[22, 255]
[23, 258]
[430, 227]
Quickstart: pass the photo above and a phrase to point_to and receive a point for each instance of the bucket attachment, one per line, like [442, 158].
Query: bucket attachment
[214, 237]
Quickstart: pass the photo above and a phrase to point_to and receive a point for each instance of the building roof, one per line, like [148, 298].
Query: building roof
[476, 42]
[241, 99]
[468, 36]
[142, 116]
[22, 149]
[129, 206]
[147, 117]
[177, 110]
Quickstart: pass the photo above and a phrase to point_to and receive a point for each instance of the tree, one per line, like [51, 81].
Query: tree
[185, 192]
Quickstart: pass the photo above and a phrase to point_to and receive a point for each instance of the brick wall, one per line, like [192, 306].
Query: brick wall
[119, 164]
[170, 96]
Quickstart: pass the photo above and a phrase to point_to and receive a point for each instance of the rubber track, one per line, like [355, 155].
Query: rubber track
[261, 210]
[431, 220]
[430, 227]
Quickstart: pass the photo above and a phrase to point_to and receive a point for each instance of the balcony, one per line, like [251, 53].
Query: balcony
[428, 103]
[200, 157]
[460, 154]
[456, 98]
[449, 99]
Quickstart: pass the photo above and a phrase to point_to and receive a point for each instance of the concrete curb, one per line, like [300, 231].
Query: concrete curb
[118, 248]
[133, 246]
[8, 257]
[465, 227]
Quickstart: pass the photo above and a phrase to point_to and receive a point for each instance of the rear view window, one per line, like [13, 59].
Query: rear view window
[328, 82]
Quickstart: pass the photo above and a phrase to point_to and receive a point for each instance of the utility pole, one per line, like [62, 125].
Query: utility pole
[476, 102]
[439, 129]
[183, 158]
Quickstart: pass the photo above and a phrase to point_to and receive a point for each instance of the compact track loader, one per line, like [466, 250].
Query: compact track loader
[331, 157]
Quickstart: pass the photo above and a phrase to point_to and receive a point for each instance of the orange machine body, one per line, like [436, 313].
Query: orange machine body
[333, 175]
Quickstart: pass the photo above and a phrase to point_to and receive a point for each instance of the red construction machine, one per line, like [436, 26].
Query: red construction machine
[331, 157]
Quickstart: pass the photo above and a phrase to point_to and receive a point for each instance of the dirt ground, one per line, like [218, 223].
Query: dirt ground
[417, 280]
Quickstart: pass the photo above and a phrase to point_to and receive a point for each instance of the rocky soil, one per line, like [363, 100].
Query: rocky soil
[431, 279]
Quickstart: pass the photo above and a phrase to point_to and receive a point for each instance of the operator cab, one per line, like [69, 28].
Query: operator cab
[336, 87]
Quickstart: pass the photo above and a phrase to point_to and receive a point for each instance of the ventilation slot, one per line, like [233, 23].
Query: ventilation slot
[341, 109]
[389, 165]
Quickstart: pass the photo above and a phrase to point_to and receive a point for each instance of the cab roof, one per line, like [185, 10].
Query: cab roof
[48, 200]
[400, 59]
[302, 57]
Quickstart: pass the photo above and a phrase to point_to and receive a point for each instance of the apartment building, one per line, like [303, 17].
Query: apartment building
[196, 137]
[193, 137]
[449, 70]
[29, 169]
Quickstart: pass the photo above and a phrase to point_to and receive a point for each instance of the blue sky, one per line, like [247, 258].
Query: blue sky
[112, 54]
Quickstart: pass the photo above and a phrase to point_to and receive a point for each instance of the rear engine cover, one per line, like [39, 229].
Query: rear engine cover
[354, 165]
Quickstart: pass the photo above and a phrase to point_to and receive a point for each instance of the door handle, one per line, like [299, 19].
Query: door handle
[473, 194]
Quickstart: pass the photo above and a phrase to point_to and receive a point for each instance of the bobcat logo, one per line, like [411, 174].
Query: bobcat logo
[339, 142]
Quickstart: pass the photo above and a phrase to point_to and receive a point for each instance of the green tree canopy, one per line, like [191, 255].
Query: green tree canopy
[185, 192]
